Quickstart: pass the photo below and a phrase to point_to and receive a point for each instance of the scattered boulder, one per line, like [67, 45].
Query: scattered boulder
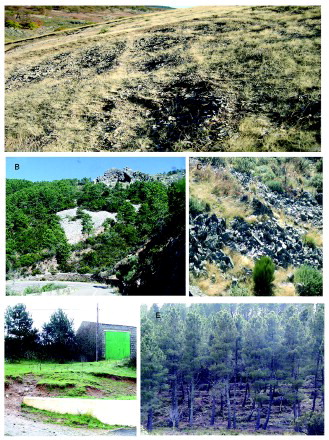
[260, 208]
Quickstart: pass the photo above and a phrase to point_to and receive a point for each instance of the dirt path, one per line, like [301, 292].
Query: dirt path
[22, 425]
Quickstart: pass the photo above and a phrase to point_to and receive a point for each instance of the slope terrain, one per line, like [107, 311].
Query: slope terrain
[245, 209]
[101, 380]
[198, 79]
[72, 237]
[31, 21]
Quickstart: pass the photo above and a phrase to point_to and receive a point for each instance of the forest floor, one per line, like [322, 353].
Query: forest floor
[192, 79]
[281, 419]
[26, 287]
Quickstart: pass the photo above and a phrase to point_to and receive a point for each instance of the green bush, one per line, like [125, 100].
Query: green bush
[30, 25]
[244, 164]
[29, 259]
[239, 291]
[275, 185]
[264, 172]
[308, 281]
[301, 164]
[263, 276]
[12, 24]
[312, 422]
[309, 241]
[317, 182]
[319, 165]
[84, 269]
[197, 206]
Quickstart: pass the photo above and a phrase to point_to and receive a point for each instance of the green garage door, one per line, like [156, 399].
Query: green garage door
[117, 345]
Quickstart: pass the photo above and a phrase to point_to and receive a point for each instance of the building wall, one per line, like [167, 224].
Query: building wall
[86, 336]
[123, 328]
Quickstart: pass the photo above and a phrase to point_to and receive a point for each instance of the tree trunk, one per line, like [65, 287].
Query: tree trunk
[257, 426]
[213, 411]
[246, 394]
[251, 412]
[191, 402]
[234, 404]
[322, 382]
[269, 409]
[221, 404]
[174, 404]
[149, 426]
[228, 404]
[315, 392]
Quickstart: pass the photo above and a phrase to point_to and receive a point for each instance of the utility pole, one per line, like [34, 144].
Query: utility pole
[97, 335]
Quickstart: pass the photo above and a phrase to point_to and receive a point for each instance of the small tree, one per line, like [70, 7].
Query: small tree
[308, 281]
[20, 336]
[58, 337]
[263, 276]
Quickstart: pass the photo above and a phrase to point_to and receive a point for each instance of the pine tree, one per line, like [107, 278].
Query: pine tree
[222, 354]
[152, 369]
[20, 336]
[192, 356]
[58, 337]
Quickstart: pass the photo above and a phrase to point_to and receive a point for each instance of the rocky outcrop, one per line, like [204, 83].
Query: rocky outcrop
[302, 206]
[126, 176]
[72, 225]
[209, 234]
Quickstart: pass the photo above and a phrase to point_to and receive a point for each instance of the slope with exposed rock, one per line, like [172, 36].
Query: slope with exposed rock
[247, 215]
[241, 78]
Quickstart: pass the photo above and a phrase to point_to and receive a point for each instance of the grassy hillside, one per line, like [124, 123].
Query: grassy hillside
[105, 379]
[31, 21]
[199, 79]
[243, 209]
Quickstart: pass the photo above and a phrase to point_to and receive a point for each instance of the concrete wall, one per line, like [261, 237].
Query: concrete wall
[112, 412]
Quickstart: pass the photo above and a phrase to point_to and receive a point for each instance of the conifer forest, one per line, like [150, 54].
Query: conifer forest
[232, 369]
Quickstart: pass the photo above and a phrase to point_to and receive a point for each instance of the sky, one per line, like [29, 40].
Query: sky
[56, 168]
[111, 311]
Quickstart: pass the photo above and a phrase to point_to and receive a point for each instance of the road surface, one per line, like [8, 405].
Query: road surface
[16, 425]
[68, 288]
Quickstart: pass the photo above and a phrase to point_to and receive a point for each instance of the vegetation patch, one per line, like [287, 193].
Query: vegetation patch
[74, 420]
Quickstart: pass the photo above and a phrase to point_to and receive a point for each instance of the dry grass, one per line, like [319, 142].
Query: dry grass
[240, 262]
[197, 79]
[314, 235]
[220, 190]
[215, 284]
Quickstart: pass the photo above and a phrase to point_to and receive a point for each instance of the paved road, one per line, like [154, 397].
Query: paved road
[20, 425]
[69, 288]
